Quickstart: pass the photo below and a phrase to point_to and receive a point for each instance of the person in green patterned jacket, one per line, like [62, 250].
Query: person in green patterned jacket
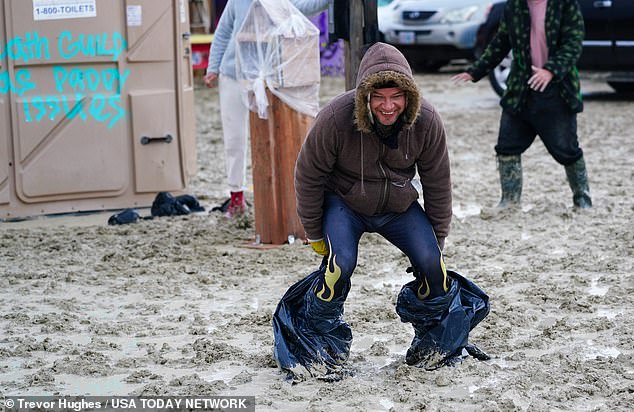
[543, 93]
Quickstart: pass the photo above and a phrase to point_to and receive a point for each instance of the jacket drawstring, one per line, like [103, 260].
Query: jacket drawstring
[407, 147]
[362, 185]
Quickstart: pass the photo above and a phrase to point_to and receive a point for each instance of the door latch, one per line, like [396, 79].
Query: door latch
[165, 139]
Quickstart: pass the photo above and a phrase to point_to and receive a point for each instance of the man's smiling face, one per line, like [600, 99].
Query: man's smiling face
[387, 104]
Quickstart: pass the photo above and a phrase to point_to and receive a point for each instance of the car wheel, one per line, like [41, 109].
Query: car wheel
[622, 87]
[499, 75]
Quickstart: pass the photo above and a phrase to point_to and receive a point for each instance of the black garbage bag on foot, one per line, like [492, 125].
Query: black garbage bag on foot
[311, 337]
[442, 324]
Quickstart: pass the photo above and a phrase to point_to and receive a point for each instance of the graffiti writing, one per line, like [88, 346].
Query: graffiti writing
[32, 46]
[21, 84]
[91, 45]
[90, 79]
[102, 108]
[84, 92]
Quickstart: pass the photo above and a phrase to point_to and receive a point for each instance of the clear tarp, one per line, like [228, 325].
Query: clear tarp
[277, 48]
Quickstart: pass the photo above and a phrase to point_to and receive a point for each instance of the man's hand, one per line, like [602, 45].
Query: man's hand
[211, 80]
[462, 77]
[540, 79]
[319, 246]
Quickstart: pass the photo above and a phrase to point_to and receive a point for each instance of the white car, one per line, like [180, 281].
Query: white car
[431, 33]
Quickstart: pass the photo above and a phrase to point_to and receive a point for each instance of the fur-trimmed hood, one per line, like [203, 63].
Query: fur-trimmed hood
[380, 64]
[344, 154]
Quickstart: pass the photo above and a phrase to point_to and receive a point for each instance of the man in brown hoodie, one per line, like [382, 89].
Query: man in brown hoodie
[354, 174]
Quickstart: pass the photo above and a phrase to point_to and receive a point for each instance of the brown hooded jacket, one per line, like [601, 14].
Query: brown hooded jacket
[343, 154]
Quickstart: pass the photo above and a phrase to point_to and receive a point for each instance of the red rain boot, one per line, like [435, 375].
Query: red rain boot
[237, 205]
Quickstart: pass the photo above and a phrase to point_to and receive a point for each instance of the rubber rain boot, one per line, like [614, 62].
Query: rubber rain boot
[578, 180]
[237, 205]
[510, 167]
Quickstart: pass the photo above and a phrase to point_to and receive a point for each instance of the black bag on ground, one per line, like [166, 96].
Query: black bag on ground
[167, 205]
[124, 217]
[191, 202]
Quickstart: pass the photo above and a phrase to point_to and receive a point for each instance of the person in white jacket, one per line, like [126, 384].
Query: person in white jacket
[234, 112]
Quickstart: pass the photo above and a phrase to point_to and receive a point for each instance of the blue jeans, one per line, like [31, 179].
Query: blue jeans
[410, 231]
[547, 115]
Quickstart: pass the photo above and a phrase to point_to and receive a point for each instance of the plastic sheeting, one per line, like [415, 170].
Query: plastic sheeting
[277, 48]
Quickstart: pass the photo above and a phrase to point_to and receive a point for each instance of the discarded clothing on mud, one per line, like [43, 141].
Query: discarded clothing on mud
[222, 207]
[167, 205]
[164, 204]
[124, 217]
[311, 337]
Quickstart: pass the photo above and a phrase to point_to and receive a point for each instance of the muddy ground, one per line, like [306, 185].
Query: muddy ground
[179, 306]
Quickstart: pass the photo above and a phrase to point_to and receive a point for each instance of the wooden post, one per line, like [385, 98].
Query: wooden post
[354, 46]
[370, 22]
[364, 31]
[275, 144]
[212, 15]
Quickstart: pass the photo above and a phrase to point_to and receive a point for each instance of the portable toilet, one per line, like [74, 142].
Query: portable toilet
[96, 104]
